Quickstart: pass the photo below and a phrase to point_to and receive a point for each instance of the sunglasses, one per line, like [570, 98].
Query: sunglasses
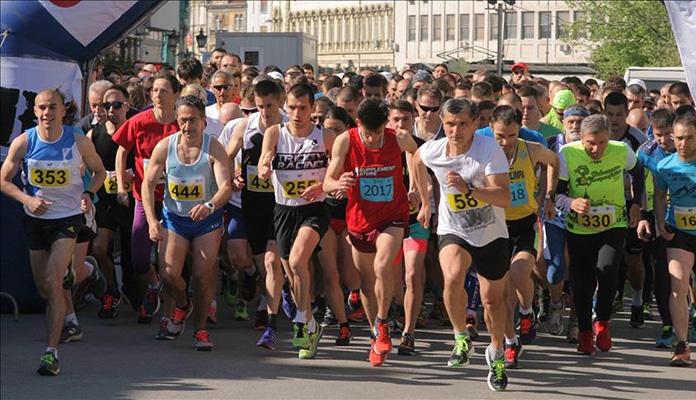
[426, 109]
[116, 105]
[220, 87]
[248, 111]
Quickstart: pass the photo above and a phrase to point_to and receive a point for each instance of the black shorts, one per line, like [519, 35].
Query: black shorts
[288, 221]
[492, 260]
[41, 233]
[112, 216]
[633, 243]
[522, 235]
[259, 227]
[682, 240]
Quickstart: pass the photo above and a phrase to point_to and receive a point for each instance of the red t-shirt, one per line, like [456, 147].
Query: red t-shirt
[141, 134]
[379, 197]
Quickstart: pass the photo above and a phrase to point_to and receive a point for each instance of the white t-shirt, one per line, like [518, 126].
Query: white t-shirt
[476, 222]
[212, 117]
[225, 138]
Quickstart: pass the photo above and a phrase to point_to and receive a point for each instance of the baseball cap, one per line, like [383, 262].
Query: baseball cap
[638, 82]
[519, 64]
[422, 76]
[275, 75]
[649, 99]
[563, 99]
[387, 75]
[576, 110]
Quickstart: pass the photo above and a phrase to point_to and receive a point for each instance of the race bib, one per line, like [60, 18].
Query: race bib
[111, 183]
[685, 217]
[189, 189]
[599, 218]
[146, 163]
[518, 192]
[377, 190]
[53, 177]
[256, 184]
[458, 201]
[293, 189]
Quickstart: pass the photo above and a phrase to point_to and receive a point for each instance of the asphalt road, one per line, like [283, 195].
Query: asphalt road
[118, 359]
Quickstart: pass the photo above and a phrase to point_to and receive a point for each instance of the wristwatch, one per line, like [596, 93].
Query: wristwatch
[469, 188]
[550, 196]
[210, 206]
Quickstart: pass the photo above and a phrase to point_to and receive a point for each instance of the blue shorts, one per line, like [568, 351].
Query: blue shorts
[188, 228]
[236, 229]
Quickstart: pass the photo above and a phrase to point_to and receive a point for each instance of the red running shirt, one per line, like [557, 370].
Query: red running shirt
[379, 197]
[140, 134]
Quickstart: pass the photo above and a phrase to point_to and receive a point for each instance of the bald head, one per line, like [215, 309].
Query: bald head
[638, 119]
[510, 99]
[228, 112]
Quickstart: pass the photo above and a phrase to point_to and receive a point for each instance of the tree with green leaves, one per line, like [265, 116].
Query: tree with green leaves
[623, 34]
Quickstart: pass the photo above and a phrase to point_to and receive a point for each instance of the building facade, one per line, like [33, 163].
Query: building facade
[436, 31]
[214, 16]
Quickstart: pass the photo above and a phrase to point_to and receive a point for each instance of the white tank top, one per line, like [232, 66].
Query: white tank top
[298, 164]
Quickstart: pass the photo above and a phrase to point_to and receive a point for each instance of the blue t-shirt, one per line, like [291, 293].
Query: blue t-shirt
[525, 133]
[680, 179]
[211, 97]
[650, 153]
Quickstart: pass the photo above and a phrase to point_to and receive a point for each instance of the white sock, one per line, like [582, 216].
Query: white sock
[637, 299]
[71, 318]
[301, 317]
[511, 342]
[494, 354]
[90, 268]
[53, 350]
[525, 311]
[312, 326]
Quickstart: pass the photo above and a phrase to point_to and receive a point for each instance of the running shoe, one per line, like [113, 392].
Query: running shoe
[143, 316]
[383, 342]
[573, 331]
[211, 315]
[376, 359]
[637, 320]
[603, 332]
[647, 312]
[463, 349]
[240, 311]
[70, 279]
[178, 320]
[554, 322]
[472, 326]
[109, 304]
[202, 341]
[329, 318]
[399, 316]
[618, 306]
[268, 339]
[528, 328]
[681, 356]
[344, 336]
[300, 337]
[151, 301]
[497, 377]
[96, 280]
[586, 343]
[163, 332]
[422, 320]
[512, 354]
[407, 347]
[261, 320]
[358, 315]
[249, 287]
[354, 302]
[289, 306]
[667, 338]
[544, 305]
[314, 337]
[49, 365]
[70, 333]
[231, 292]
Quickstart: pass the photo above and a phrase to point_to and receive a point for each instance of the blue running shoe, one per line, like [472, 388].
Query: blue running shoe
[666, 339]
[289, 306]
[268, 339]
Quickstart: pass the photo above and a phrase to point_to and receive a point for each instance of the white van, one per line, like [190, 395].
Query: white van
[655, 77]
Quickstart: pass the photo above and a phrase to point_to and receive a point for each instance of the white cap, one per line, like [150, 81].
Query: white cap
[275, 75]
[387, 75]
[638, 82]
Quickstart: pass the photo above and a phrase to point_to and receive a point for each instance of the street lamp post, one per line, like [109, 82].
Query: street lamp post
[201, 40]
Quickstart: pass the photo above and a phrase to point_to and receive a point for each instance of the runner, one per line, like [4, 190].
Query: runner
[298, 152]
[474, 187]
[49, 157]
[676, 175]
[591, 169]
[366, 164]
[197, 188]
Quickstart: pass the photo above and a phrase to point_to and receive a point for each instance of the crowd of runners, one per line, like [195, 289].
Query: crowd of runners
[401, 200]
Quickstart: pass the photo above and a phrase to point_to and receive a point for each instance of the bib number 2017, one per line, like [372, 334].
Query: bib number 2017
[377, 189]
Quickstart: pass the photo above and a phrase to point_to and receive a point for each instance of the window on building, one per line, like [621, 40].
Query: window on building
[464, 27]
[562, 23]
[493, 26]
[511, 25]
[264, 6]
[580, 16]
[423, 28]
[411, 28]
[449, 27]
[479, 26]
[437, 27]
[528, 25]
[544, 25]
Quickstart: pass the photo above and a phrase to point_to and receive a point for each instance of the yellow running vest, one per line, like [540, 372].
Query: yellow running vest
[523, 184]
